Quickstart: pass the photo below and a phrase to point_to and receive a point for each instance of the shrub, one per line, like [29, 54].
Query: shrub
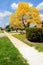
[7, 28]
[34, 34]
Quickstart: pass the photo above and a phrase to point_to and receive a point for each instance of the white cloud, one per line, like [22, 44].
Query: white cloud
[41, 15]
[4, 14]
[40, 6]
[14, 5]
[31, 4]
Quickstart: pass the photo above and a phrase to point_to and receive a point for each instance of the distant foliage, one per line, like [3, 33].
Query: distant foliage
[7, 28]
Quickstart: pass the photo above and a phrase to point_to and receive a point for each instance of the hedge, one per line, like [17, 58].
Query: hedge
[34, 34]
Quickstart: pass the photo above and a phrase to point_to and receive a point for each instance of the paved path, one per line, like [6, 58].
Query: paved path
[32, 56]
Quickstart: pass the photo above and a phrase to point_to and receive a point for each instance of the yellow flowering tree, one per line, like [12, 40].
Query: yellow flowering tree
[25, 15]
[15, 21]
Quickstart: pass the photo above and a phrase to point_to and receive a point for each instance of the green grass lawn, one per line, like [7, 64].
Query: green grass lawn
[22, 37]
[9, 55]
[1, 31]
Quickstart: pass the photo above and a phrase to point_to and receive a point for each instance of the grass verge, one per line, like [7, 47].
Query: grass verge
[9, 55]
[1, 31]
[22, 37]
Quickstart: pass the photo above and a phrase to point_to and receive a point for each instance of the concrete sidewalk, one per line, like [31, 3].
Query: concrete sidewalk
[32, 56]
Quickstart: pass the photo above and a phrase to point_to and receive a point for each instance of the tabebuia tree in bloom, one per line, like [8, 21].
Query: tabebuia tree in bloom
[24, 15]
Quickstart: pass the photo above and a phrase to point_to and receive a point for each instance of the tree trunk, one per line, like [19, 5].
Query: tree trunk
[42, 24]
[28, 24]
[23, 21]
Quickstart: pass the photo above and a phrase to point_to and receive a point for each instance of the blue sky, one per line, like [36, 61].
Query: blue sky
[6, 9]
